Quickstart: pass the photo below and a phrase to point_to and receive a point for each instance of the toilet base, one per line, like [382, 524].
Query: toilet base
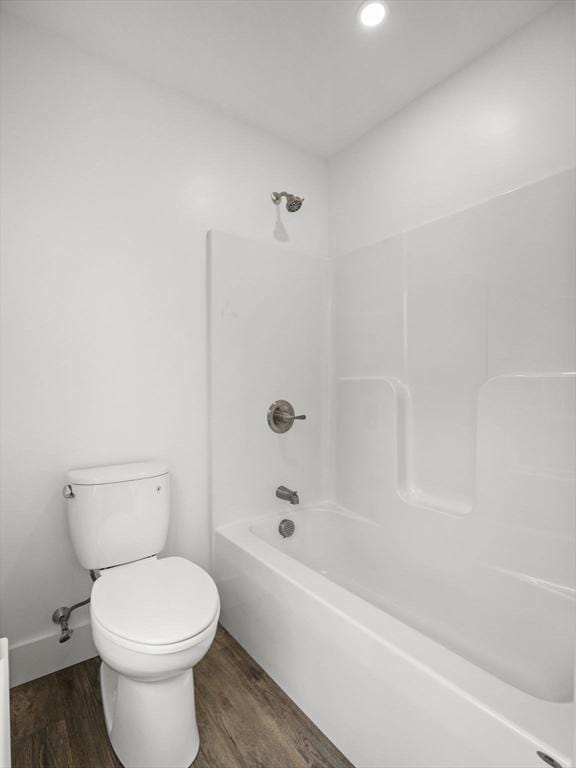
[151, 724]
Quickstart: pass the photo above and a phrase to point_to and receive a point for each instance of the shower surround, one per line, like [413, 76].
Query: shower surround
[462, 330]
[434, 593]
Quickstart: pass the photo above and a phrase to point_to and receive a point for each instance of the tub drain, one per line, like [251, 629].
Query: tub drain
[286, 528]
[548, 760]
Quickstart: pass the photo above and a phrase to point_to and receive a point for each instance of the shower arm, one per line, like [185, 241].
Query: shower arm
[277, 197]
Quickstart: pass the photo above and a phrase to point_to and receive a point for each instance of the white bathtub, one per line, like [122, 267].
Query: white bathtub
[428, 661]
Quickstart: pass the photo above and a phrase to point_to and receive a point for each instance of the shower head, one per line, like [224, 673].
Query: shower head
[293, 202]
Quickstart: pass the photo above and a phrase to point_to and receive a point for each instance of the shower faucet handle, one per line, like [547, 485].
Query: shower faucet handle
[281, 416]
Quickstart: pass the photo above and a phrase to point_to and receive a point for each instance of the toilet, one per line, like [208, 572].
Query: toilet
[153, 618]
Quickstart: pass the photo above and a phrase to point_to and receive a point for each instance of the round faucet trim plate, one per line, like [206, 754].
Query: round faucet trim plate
[281, 416]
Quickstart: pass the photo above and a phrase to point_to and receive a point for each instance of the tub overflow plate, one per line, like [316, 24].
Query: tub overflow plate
[286, 528]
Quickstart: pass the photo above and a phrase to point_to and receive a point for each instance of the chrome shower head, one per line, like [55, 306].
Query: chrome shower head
[293, 202]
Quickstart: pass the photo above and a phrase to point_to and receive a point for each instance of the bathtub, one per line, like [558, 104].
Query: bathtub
[433, 660]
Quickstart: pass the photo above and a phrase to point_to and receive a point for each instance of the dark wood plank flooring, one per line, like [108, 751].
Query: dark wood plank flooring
[245, 719]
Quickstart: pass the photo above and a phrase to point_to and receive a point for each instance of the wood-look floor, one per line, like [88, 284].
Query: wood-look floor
[245, 719]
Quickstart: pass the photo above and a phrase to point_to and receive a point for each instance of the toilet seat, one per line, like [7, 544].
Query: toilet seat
[159, 605]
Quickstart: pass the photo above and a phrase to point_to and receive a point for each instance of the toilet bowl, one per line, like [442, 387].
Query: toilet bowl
[153, 619]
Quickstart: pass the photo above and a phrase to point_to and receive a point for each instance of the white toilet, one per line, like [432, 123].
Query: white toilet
[152, 618]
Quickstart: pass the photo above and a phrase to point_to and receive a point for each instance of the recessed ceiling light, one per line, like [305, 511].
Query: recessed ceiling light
[372, 13]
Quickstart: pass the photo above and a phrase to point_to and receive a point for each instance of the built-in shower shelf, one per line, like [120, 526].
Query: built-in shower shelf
[511, 410]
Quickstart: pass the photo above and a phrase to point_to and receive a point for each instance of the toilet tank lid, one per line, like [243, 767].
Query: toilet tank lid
[117, 473]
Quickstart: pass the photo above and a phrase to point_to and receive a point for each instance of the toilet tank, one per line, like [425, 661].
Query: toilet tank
[119, 513]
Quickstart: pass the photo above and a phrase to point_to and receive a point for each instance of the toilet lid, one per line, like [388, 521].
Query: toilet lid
[156, 602]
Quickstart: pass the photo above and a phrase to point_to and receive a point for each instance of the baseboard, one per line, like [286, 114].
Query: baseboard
[44, 655]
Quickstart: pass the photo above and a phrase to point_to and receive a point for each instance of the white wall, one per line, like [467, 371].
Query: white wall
[502, 122]
[109, 187]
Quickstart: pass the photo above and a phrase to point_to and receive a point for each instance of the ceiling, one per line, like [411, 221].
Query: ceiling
[302, 69]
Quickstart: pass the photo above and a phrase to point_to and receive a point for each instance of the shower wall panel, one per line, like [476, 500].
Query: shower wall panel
[454, 351]
[268, 325]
